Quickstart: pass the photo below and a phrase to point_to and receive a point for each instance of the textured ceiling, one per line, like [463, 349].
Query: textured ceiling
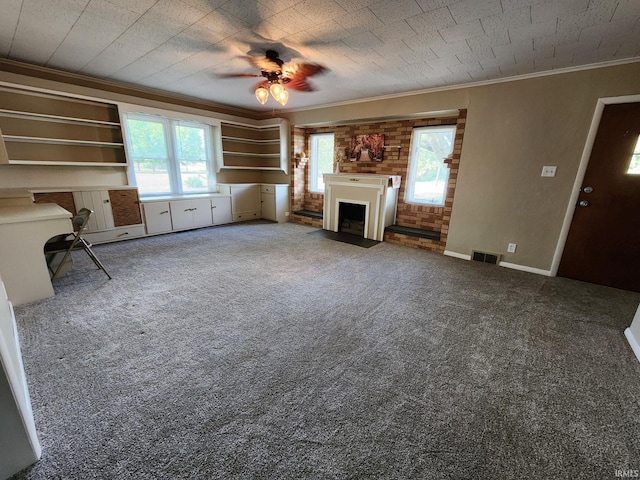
[371, 47]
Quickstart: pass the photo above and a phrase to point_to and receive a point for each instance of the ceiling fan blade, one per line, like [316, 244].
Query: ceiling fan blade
[235, 75]
[302, 70]
[300, 84]
[265, 64]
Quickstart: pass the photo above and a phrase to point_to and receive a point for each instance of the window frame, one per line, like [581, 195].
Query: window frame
[413, 164]
[313, 159]
[170, 120]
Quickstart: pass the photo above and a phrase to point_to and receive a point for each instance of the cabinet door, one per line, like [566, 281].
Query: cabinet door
[157, 217]
[181, 216]
[125, 206]
[201, 212]
[268, 206]
[221, 209]
[245, 198]
[97, 201]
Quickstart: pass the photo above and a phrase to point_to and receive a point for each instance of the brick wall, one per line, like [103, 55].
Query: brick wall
[395, 162]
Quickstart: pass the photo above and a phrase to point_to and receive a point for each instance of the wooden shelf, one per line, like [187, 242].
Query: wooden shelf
[260, 147]
[56, 118]
[60, 141]
[250, 140]
[248, 154]
[248, 168]
[41, 128]
[67, 164]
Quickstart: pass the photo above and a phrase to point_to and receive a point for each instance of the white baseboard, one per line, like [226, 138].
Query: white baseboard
[635, 346]
[524, 268]
[457, 255]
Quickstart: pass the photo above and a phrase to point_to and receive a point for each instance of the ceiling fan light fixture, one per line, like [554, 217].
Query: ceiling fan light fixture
[262, 94]
[276, 89]
[283, 97]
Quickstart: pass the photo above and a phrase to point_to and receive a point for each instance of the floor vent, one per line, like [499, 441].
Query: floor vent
[485, 257]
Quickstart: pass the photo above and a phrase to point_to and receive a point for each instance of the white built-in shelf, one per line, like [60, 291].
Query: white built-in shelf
[56, 118]
[70, 164]
[250, 140]
[248, 168]
[248, 154]
[44, 128]
[60, 141]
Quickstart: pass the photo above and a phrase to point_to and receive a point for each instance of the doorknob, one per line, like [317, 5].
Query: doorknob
[587, 189]
[584, 203]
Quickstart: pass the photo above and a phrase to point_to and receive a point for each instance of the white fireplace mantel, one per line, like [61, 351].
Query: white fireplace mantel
[378, 193]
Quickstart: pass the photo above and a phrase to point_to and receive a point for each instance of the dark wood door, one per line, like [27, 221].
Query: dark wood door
[125, 205]
[603, 245]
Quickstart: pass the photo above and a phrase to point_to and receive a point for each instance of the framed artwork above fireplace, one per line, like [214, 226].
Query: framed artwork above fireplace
[367, 148]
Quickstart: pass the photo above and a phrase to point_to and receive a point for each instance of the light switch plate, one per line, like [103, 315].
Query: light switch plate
[548, 171]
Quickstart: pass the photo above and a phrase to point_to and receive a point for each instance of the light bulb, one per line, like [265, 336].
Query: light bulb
[262, 94]
[283, 97]
[276, 89]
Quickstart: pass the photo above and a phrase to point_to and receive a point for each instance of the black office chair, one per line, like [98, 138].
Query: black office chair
[68, 243]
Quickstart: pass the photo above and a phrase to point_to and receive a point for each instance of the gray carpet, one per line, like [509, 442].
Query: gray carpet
[259, 351]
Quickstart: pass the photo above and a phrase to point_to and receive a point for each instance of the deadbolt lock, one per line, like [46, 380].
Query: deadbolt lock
[584, 203]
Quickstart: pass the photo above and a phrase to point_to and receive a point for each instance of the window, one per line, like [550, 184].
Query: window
[169, 156]
[320, 160]
[428, 174]
[634, 165]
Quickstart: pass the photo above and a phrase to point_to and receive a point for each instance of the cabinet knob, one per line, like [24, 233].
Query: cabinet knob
[166, 211]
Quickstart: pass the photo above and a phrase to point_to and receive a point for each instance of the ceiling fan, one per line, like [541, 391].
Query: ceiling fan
[277, 74]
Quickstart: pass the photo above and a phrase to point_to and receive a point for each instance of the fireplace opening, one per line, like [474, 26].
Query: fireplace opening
[351, 217]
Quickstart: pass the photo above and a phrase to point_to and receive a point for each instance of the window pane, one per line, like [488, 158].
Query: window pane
[321, 159]
[634, 166]
[191, 154]
[429, 173]
[148, 151]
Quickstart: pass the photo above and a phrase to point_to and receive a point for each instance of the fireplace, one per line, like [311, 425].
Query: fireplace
[352, 218]
[367, 201]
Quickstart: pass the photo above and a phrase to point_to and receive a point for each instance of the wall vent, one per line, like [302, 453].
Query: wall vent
[484, 257]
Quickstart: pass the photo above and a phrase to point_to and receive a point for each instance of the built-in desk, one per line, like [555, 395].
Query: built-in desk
[24, 229]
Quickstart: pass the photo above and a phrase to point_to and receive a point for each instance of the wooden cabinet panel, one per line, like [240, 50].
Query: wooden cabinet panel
[64, 199]
[125, 205]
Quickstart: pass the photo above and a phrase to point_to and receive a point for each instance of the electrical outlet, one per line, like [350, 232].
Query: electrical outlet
[286, 214]
[511, 248]
[548, 171]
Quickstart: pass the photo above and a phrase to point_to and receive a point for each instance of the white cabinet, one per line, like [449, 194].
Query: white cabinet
[164, 216]
[157, 217]
[18, 436]
[190, 213]
[221, 210]
[116, 211]
[98, 202]
[245, 202]
[274, 202]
